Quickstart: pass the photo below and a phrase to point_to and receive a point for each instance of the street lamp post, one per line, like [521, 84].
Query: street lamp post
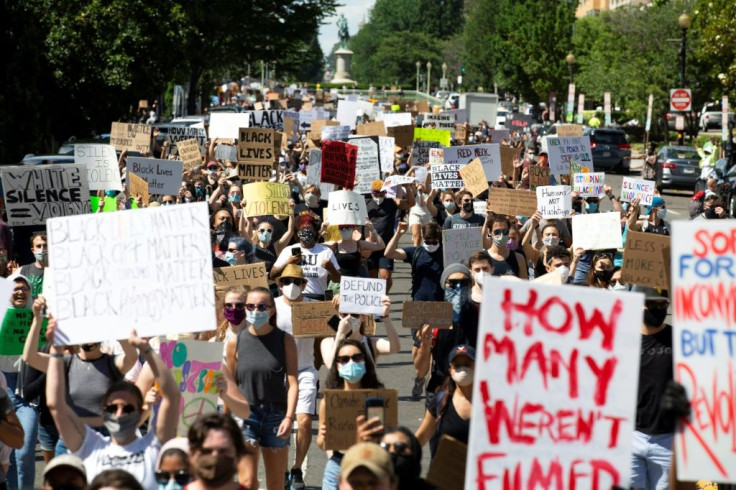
[570, 58]
[429, 68]
[419, 66]
[684, 22]
[444, 72]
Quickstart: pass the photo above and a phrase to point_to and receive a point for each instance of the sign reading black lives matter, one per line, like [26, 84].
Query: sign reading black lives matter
[34, 194]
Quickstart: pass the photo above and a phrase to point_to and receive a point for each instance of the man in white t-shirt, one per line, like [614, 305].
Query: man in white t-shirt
[121, 407]
[291, 284]
[317, 261]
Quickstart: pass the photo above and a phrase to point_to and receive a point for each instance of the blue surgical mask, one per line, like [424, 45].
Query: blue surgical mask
[591, 207]
[235, 198]
[257, 318]
[111, 193]
[662, 213]
[230, 258]
[625, 206]
[265, 237]
[457, 296]
[522, 219]
[171, 485]
[352, 371]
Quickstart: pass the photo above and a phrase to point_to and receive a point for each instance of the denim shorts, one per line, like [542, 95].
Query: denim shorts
[48, 436]
[262, 426]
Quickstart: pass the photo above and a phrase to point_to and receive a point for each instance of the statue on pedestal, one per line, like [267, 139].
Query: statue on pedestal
[342, 32]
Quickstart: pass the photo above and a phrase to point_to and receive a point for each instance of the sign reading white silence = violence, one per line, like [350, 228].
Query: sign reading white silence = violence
[148, 269]
[102, 166]
[34, 194]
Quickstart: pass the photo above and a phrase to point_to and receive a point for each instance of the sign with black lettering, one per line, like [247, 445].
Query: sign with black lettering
[343, 407]
[102, 166]
[362, 295]
[183, 133]
[256, 153]
[33, 194]
[163, 176]
[247, 275]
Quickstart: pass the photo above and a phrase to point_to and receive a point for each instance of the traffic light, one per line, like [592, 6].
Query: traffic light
[462, 69]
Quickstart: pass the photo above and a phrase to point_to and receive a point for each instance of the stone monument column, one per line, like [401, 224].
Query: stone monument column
[342, 67]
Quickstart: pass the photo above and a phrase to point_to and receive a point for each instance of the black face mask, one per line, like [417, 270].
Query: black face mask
[654, 315]
[710, 213]
[467, 207]
[407, 469]
[604, 276]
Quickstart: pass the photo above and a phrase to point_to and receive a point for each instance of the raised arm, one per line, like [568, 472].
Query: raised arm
[286, 237]
[392, 251]
[532, 252]
[409, 202]
[422, 357]
[328, 346]
[127, 360]
[31, 356]
[391, 344]
[373, 241]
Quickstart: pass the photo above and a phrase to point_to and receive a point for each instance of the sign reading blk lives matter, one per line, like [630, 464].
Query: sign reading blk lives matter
[703, 341]
[148, 269]
[34, 194]
[554, 394]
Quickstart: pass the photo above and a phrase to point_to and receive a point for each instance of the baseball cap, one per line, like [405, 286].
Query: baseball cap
[462, 350]
[68, 460]
[369, 455]
[292, 270]
[212, 164]
[656, 202]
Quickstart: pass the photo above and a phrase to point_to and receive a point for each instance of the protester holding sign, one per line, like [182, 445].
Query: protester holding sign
[350, 252]
[351, 371]
[654, 221]
[34, 271]
[263, 360]
[504, 261]
[548, 237]
[261, 233]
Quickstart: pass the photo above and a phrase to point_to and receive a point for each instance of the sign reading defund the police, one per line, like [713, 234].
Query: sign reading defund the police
[34, 194]
[554, 393]
[148, 269]
[362, 296]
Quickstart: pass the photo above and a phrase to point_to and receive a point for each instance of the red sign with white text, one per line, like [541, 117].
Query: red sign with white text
[680, 99]
[555, 387]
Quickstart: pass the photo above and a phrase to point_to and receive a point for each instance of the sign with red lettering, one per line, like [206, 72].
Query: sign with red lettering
[703, 338]
[338, 163]
[554, 395]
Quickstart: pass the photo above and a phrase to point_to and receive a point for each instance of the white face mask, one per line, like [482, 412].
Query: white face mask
[550, 241]
[618, 287]
[346, 234]
[292, 291]
[311, 200]
[564, 272]
[378, 200]
[463, 376]
[478, 278]
[431, 248]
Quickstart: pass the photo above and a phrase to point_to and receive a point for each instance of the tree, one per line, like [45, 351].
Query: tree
[715, 23]
[311, 64]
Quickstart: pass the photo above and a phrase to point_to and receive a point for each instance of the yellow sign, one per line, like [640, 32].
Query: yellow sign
[442, 136]
[266, 198]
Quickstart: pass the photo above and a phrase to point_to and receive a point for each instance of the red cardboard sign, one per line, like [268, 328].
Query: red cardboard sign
[338, 163]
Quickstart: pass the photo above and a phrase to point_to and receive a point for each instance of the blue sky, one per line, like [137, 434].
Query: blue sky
[354, 10]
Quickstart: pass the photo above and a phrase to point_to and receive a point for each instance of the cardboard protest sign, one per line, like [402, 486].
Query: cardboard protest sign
[163, 176]
[194, 365]
[404, 135]
[267, 199]
[645, 260]
[318, 124]
[459, 244]
[273, 119]
[589, 184]
[226, 152]
[461, 115]
[386, 147]
[447, 468]
[309, 318]
[440, 121]
[554, 201]
[461, 133]
[597, 231]
[441, 136]
[367, 162]
[474, 179]
[256, 153]
[338, 163]
[566, 130]
[420, 152]
[346, 208]
[16, 325]
[702, 298]
[421, 106]
[150, 268]
[446, 176]
[512, 202]
[392, 119]
[489, 156]
[563, 151]
[584, 336]
[632, 188]
[189, 154]
[131, 137]
[436, 156]
[314, 174]
[35, 193]
[137, 186]
[177, 134]
[306, 116]
[508, 155]
[394, 180]
[361, 295]
[376, 128]
[101, 163]
[335, 133]
[247, 275]
[347, 112]
[227, 124]
[291, 125]
[538, 176]
[438, 314]
[342, 407]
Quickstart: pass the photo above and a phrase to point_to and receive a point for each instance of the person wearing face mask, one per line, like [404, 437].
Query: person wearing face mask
[350, 371]
[239, 251]
[263, 359]
[223, 225]
[121, 407]
[504, 261]
[317, 261]
[312, 201]
[34, 271]
[601, 271]
[406, 455]
[654, 221]
[558, 257]
[466, 218]
[449, 411]
[215, 447]
[616, 284]
[481, 265]
[442, 208]
[349, 252]
[713, 208]
[291, 284]
[173, 471]
[90, 372]
[262, 234]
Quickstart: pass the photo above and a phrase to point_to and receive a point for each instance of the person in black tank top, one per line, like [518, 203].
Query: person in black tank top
[263, 360]
[261, 233]
[349, 252]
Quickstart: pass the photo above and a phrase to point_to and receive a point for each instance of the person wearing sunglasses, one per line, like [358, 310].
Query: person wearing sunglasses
[262, 234]
[504, 261]
[601, 271]
[466, 217]
[263, 360]
[121, 406]
[349, 252]
[172, 468]
[350, 371]
[406, 455]
[291, 284]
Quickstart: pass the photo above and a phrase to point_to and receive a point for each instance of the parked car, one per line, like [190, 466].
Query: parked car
[711, 117]
[67, 147]
[677, 167]
[453, 101]
[611, 149]
[32, 159]
[502, 115]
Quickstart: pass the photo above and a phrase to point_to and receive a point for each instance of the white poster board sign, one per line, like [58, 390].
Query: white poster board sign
[529, 331]
[632, 188]
[589, 184]
[346, 208]
[702, 345]
[226, 124]
[307, 116]
[394, 180]
[597, 231]
[391, 119]
[314, 174]
[347, 113]
[458, 244]
[489, 155]
[148, 269]
[335, 133]
[564, 151]
[102, 166]
[386, 145]
[440, 121]
[367, 166]
[554, 201]
[361, 295]
[163, 176]
[226, 152]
